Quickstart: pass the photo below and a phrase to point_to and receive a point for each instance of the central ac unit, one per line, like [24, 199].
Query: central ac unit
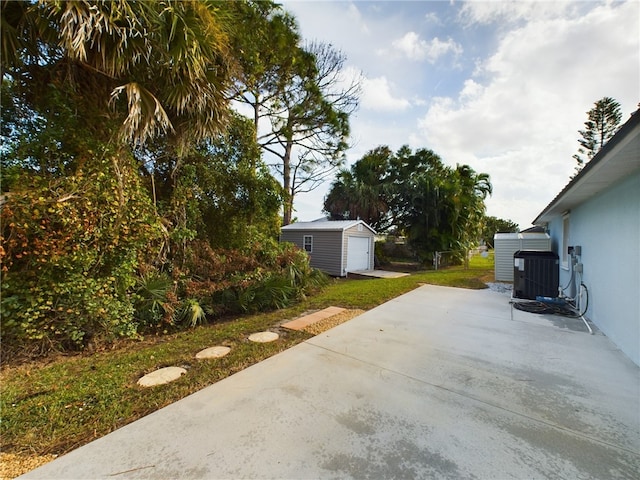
[535, 274]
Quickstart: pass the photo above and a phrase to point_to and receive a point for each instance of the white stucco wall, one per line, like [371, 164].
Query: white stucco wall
[607, 227]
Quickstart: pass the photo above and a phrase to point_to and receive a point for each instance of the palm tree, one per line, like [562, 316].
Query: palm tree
[339, 201]
[362, 191]
[471, 190]
[131, 72]
[167, 65]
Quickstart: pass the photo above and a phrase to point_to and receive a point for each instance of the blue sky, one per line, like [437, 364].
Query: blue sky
[501, 86]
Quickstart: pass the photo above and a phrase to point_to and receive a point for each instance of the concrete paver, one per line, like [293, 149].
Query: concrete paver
[376, 274]
[438, 383]
[303, 322]
[218, 351]
[161, 376]
[263, 337]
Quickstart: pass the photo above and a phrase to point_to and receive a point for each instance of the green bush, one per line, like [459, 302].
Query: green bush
[191, 313]
[264, 275]
[70, 251]
[154, 300]
[380, 255]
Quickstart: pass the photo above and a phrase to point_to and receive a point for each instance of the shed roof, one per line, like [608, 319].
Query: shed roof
[619, 158]
[521, 236]
[328, 226]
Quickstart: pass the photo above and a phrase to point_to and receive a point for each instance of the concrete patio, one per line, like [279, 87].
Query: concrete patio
[438, 383]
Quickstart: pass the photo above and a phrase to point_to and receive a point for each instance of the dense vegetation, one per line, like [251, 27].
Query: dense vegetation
[414, 194]
[134, 199]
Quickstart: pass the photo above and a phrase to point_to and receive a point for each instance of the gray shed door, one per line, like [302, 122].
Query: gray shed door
[357, 253]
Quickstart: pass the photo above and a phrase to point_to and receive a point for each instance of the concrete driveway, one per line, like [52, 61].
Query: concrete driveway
[438, 383]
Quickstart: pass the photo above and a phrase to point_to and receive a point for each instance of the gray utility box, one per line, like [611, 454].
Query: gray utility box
[535, 273]
[506, 244]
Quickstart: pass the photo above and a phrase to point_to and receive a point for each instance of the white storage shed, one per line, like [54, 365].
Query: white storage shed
[506, 244]
[336, 247]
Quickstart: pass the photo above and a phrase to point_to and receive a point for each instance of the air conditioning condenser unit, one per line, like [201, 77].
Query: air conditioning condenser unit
[535, 274]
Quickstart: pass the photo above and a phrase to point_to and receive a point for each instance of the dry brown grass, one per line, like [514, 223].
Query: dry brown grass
[13, 465]
[330, 322]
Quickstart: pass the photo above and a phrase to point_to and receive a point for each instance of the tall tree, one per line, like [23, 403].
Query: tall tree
[268, 44]
[362, 192]
[437, 207]
[160, 67]
[316, 125]
[602, 124]
[298, 98]
[408, 169]
[310, 123]
[493, 225]
[472, 190]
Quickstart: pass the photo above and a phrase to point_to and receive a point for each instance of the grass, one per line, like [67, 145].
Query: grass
[59, 404]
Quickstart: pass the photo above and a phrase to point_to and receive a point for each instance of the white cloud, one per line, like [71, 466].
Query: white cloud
[377, 95]
[511, 12]
[531, 72]
[518, 119]
[415, 48]
[471, 90]
[433, 18]
[355, 18]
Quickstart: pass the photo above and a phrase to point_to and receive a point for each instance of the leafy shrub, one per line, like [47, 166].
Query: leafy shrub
[70, 250]
[265, 275]
[381, 257]
[191, 313]
[154, 303]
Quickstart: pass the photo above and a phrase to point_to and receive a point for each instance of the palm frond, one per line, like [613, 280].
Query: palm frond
[146, 116]
[192, 313]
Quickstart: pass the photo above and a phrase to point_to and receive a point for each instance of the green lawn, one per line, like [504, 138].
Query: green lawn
[67, 401]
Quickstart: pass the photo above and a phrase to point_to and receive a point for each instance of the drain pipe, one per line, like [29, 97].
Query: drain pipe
[582, 285]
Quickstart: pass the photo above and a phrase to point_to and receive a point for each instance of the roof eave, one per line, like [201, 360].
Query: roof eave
[342, 228]
[616, 160]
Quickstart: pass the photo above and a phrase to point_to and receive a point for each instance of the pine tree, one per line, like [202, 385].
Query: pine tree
[602, 124]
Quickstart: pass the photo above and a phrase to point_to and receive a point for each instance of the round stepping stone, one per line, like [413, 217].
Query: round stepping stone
[213, 352]
[263, 337]
[161, 376]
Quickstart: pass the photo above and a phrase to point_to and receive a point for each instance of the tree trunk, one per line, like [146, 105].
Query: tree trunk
[256, 119]
[286, 185]
[288, 211]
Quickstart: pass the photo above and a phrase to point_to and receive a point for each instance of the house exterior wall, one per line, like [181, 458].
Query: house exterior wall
[354, 232]
[607, 227]
[326, 254]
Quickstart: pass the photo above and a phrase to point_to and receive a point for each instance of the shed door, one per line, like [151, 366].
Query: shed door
[357, 253]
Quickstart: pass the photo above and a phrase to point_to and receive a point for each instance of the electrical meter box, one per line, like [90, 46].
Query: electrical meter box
[535, 274]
